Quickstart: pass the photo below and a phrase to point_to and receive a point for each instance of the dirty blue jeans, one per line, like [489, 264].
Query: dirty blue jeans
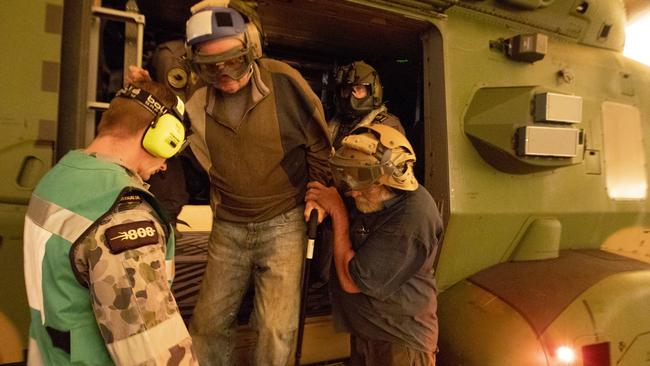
[271, 254]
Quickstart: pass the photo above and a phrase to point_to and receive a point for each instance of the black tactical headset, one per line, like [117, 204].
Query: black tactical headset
[166, 135]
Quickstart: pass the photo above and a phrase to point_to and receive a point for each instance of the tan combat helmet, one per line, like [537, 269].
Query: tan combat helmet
[374, 154]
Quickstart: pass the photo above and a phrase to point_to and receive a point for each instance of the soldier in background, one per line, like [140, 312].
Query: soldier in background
[358, 100]
[97, 248]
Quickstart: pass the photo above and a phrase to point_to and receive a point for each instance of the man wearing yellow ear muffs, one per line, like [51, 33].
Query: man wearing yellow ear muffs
[98, 249]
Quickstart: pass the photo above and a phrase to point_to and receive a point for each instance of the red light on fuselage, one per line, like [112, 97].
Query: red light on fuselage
[596, 354]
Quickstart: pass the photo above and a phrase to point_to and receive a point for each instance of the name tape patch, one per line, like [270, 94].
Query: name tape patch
[130, 236]
[130, 198]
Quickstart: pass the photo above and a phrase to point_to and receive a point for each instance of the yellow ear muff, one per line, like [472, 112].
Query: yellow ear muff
[165, 137]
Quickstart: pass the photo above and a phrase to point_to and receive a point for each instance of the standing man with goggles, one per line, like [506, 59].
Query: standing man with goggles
[98, 250]
[261, 135]
[384, 250]
[358, 99]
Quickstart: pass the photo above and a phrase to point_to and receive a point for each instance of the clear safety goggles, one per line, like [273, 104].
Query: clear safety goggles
[234, 64]
[355, 178]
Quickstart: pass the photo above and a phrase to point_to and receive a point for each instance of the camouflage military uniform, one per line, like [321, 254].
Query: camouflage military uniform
[339, 128]
[96, 255]
[129, 290]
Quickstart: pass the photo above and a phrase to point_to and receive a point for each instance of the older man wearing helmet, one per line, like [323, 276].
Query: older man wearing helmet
[384, 249]
[260, 134]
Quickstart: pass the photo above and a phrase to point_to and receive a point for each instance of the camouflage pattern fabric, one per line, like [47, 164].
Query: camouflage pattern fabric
[340, 128]
[130, 292]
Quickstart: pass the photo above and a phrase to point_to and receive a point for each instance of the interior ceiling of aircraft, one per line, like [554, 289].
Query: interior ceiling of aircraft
[334, 26]
[176, 11]
[315, 24]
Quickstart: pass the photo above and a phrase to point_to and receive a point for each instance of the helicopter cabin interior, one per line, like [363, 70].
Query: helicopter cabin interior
[314, 37]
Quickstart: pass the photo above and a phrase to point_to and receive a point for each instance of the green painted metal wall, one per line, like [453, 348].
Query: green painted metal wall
[29, 70]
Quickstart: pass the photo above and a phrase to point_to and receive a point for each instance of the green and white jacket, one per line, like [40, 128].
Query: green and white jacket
[88, 283]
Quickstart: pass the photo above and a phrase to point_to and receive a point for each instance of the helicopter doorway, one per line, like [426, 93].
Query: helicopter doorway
[314, 37]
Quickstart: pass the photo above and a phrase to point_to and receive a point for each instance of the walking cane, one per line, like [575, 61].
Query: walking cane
[304, 280]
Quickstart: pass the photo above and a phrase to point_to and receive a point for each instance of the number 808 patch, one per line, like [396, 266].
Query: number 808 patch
[130, 236]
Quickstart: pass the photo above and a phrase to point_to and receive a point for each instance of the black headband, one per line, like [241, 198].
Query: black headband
[148, 101]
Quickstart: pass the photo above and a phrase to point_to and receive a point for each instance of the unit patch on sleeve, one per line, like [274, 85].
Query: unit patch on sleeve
[130, 236]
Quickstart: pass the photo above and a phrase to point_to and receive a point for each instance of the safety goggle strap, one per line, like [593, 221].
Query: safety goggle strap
[200, 58]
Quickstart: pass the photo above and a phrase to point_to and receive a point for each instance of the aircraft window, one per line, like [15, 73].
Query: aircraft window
[624, 155]
[604, 32]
